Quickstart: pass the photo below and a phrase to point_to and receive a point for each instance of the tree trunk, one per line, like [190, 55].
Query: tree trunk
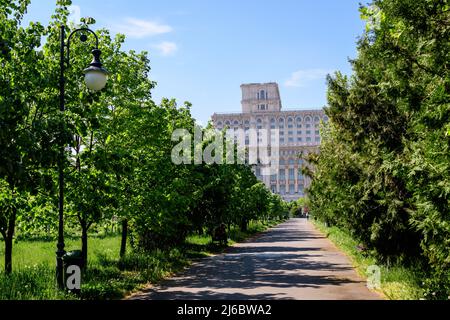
[244, 224]
[84, 244]
[123, 244]
[9, 235]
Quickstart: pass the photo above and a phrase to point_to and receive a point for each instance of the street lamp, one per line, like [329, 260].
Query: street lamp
[95, 77]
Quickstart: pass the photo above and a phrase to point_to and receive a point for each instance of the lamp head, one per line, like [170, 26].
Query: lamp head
[95, 76]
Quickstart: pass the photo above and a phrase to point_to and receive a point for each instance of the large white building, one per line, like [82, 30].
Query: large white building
[298, 131]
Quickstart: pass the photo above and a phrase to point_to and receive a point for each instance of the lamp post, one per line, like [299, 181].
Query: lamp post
[95, 77]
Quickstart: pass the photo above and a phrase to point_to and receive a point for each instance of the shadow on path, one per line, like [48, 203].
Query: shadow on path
[290, 261]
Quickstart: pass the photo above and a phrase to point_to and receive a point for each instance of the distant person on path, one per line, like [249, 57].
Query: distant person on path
[306, 212]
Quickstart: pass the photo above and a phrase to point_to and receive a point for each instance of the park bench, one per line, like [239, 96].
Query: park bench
[220, 235]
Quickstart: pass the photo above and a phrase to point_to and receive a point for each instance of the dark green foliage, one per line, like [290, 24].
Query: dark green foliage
[383, 170]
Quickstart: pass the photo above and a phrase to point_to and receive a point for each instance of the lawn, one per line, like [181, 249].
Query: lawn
[31, 253]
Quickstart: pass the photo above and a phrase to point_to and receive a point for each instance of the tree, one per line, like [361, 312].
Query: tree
[382, 171]
[27, 121]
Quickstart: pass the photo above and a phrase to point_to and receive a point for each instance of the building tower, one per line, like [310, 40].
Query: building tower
[260, 97]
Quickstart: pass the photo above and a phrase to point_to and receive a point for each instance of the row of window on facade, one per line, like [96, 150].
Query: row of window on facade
[281, 122]
[283, 162]
[282, 175]
[291, 189]
[283, 140]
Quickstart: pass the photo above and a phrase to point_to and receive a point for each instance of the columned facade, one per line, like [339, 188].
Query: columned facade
[297, 132]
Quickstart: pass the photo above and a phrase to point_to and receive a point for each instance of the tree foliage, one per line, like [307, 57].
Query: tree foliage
[118, 146]
[383, 168]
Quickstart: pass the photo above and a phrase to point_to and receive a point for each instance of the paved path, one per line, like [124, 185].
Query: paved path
[290, 261]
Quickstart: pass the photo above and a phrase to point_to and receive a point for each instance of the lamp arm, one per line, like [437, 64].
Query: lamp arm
[70, 37]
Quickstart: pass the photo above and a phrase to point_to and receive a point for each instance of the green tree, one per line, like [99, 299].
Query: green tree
[27, 122]
[382, 171]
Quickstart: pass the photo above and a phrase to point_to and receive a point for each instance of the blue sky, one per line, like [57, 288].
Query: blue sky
[203, 50]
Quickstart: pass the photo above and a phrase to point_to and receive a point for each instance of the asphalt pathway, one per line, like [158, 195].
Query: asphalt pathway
[290, 261]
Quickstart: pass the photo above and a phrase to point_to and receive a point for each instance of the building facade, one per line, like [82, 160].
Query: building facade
[289, 134]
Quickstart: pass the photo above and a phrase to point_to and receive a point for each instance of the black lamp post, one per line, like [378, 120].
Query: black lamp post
[95, 78]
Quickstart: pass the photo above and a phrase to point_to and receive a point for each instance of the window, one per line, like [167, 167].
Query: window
[227, 123]
[291, 174]
[317, 139]
[308, 139]
[325, 119]
[262, 95]
[308, 126]
[300, 161]
[282, 174]
[308, 119]
[299, 125]
[316, 119]
[290, 133]
[299, 139]
[281, 140]
[291, 161]
[282, 189]
[299, 132]
[273, 188]
[291, 189]
[308, 131]
[290, 139]
[282, 162]
[317, 132]
[258, 172]
[273, 177]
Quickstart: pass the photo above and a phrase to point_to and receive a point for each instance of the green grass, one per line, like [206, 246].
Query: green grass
[33, 253]
[397, 282]
[107, 276]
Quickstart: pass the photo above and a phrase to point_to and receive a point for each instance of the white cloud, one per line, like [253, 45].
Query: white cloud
[136, 28]
[166, 48]
[302, 78]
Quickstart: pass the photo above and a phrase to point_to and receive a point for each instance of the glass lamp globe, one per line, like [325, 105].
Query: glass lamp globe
[95, 79]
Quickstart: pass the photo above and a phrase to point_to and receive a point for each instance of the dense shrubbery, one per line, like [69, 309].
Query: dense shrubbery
[384, 167]
[118, 167]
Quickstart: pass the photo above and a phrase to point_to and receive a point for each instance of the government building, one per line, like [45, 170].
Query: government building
[297, 132]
